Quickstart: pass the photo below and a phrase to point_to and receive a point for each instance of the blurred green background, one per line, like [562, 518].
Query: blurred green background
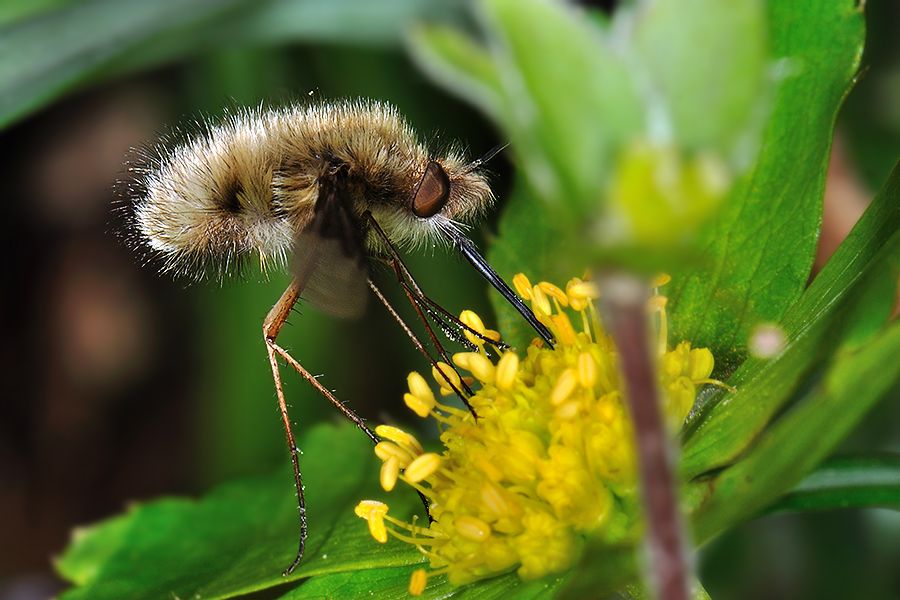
[121, 384]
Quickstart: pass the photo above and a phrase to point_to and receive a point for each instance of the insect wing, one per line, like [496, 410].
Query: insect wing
[328, 259]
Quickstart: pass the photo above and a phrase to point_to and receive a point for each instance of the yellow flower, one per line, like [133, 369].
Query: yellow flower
[550, 457]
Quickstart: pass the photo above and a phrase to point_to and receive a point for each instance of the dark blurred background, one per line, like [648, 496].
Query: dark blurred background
[118, 384]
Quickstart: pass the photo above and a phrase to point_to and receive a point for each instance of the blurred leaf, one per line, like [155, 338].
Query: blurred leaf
[43, 56]
[601, 571]
[849, 300]
[847, 482]
[280, 22]
[17, 10]
[636, 591]
[46, 55]
[240, 537]
[705, 60]
[794, 445]
[759, 253]
[460, 64]
[564, 111]
[346, 21]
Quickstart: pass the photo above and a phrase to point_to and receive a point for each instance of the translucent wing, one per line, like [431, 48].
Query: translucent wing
[328, 259]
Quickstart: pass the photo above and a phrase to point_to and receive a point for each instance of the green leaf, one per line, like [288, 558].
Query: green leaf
[240, 537]
[636, 591]
[847, 482]
[278, 22]
[17, 10]
[601, 571]
[706, 61]
[43, 56]
[759, 253]
[793, 446]
[563, 122]
[849, 300]
[389, 584]
[460, 64]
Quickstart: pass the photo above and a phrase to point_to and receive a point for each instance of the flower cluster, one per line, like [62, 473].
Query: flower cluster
[550, 456]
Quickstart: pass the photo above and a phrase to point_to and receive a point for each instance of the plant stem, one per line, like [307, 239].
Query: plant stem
[625, 298]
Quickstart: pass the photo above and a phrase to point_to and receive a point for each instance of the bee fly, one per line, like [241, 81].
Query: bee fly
[321, 189]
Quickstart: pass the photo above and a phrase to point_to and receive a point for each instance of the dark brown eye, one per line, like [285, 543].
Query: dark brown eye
[433, 191]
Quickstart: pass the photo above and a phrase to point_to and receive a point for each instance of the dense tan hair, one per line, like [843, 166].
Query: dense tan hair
[247, 186]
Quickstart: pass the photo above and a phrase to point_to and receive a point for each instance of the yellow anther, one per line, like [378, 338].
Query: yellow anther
[422, 467]
[494, 501]
[539, 301]
[416, 405]
[564, 387]
[507, 369]
[472, 528]
[567, 411]
[565, 333]
[492, 335]
[586, 290]
[366, 508]
[656, 304]
[472, 320]
[400, 437]
[373, 512]
[523, 286]
[554, 292]
[419, 387]
[478, 364]
[417, 582]
[385, 450]
[390, 470]
[447, 377]
[700, 364]
[660, 280]
[587, 370]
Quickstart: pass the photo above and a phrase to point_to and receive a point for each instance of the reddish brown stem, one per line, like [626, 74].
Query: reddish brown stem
[625, 299]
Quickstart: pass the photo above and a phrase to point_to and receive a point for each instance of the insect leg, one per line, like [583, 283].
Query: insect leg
[419, 345]
[420, 301]
[272, 325]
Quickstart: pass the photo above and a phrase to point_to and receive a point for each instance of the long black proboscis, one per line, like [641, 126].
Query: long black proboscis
[467, 249]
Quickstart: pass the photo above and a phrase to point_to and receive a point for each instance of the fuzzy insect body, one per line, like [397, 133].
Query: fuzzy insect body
[248, 186]
[322, 189]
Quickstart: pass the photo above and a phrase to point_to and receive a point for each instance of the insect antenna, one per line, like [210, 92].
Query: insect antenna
[487, 156]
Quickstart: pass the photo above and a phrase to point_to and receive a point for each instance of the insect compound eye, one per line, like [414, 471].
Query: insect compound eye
[433, 191]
